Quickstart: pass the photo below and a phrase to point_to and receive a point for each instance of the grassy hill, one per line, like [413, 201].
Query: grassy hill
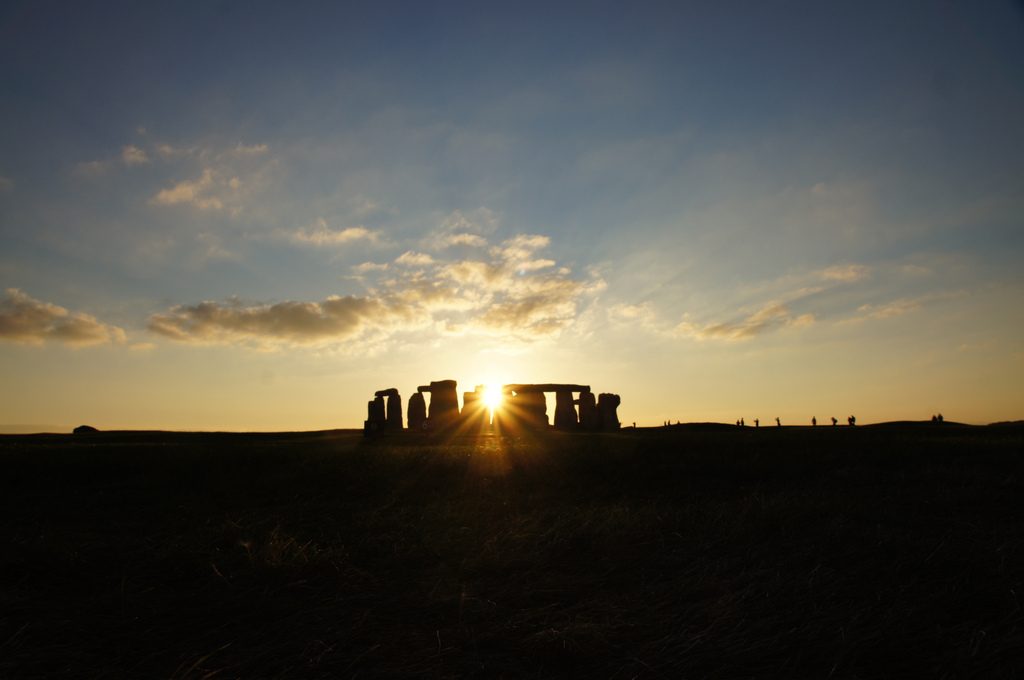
[673, 552]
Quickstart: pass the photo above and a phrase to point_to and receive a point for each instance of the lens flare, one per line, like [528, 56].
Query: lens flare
[492, 397]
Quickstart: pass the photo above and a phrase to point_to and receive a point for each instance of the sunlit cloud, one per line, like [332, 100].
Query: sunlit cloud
[414, 259]
[209, 178]
[496, 297]
[885, 310]
[333, 320]
[133, 155]
[847, 273]
[461, 239]
[768, 318]
[198, 193]
[366, 267]
[24, 319]
[463, 228]
[320, 234]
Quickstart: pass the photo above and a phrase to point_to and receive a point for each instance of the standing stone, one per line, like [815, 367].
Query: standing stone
[532, 409]
[444, 403]
[417, 411]
[395, 411]
[588, 411]
[375, 418]
[394, 407]
[607, 409]
[565, 412]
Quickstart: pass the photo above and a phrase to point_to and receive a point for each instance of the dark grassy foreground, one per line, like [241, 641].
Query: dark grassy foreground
[694, 552]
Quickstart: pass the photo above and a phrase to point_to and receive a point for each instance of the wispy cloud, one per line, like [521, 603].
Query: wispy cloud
[133, 155]
[209, 178]
[25, 319]
[414, 259]
[366, 267]
[768, 318]
[200, 193]
[320, 234]
[462, 228]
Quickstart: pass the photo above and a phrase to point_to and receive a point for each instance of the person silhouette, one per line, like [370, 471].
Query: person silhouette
[851, 421]
[757, 422]
[834, 421]
[778, 422]
[743, 423]
[939, 417]
[814, 421]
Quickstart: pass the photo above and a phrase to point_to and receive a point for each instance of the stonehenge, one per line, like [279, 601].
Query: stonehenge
[524, 408]
[383, 415]
[417, 411]
[444, 403]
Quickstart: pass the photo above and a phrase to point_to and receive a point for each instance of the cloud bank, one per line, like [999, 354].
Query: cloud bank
[511, 293]
[26, 320]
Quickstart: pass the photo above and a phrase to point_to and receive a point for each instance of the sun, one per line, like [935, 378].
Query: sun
[493, 397]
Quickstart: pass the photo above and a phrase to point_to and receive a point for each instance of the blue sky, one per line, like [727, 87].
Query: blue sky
[714, 209]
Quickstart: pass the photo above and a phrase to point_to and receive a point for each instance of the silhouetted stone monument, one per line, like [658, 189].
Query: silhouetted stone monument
[588, 411]
[417, 411]
[526, 407]
[443, 411]
[565, 411]
[393, 407]
[607, 410]
[376, 419]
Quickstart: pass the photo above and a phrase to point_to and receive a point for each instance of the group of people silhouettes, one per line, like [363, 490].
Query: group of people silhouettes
[937, 418]
[851, 420]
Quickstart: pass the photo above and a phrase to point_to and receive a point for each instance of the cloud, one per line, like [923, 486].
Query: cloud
[847, 273]
[215, 178]
[322, 235]
[333, 320]
[133, 155]
[213, 248]
[769, 317]
[494, 297]
[462, 229]
[461, 239]
[886, 310]
[24, 319]
[251, 150]
[197, 193]
[366, 267]
[413, 259]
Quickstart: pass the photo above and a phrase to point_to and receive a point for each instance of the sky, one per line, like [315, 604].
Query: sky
[251, 216]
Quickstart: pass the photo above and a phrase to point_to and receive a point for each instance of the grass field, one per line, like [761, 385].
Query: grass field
[882, 551]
